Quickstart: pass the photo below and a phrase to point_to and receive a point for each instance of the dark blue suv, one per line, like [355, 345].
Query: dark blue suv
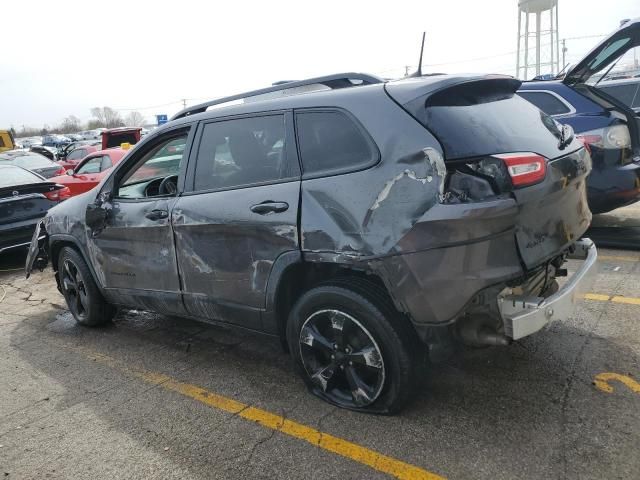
[607, 125]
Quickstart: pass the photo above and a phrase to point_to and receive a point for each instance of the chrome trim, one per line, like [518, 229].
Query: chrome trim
[523, 315]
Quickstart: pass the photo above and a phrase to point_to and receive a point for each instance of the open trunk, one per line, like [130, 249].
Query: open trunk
[497, 144]
[594, 77]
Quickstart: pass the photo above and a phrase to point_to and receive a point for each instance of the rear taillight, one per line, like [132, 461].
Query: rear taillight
[615, 137]
[59, 193]
[525, 168]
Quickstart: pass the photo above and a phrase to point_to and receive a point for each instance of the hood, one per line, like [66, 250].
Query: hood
[605, 53]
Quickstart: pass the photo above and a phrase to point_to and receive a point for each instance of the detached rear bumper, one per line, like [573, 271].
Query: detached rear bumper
[523, 315]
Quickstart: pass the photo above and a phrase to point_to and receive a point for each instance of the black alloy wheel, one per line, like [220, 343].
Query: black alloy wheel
[75, 290]
[342, 358]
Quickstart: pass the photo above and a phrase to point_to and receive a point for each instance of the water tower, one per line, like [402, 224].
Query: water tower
[538, 47]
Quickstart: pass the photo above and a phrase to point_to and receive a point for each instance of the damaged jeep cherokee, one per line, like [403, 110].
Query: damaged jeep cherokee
[365, 222]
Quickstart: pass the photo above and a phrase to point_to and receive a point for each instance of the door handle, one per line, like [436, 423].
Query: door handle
[157, 214]
[265, 208]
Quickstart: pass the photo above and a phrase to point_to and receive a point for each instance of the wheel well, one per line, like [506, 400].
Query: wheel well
[54, 251]
[300, 277]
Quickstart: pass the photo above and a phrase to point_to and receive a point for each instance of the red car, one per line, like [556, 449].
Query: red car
[90, 171]
[76, 155]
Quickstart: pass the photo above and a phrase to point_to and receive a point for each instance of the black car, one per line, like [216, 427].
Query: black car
[32, 161]
[50, 152]
[24, 198]
[366, 225]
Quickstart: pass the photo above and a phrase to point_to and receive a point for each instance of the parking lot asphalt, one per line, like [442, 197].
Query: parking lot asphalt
[153, 396]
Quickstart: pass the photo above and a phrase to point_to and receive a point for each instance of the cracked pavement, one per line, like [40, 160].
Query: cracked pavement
[530, 410]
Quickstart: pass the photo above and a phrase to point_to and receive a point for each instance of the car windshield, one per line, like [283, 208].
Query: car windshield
[16, 176]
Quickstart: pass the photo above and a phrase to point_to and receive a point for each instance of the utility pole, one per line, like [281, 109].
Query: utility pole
[406, 70]
[564, 50]
[184, 103]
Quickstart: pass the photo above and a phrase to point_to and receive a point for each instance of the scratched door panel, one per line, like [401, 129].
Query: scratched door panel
[225, 250]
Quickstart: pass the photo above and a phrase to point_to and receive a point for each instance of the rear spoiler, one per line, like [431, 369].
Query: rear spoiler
[451, 90]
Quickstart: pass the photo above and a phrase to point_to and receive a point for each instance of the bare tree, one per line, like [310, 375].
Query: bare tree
[71, 124]
[106, 117]
[134, 119]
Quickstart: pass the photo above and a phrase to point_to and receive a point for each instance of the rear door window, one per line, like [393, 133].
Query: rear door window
[77, 154]
[243, 151]
[330, 142]
[91, 166]
[547, 102]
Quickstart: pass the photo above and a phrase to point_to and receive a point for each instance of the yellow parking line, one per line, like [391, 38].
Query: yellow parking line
[627, 300]
[619, 258]
[601, 381]
[612, 298]
[597, 297]
[339, 446]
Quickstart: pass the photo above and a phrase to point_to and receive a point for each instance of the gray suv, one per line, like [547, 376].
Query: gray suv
[365, 223]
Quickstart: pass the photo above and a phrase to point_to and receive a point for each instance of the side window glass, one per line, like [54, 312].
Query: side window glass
[240, 152]
[90, 166]
[331, 142]
[156, 172]
[546, 102]
[76, 154]
[106, 163]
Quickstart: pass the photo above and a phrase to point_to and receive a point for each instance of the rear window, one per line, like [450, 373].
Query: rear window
[16, 176]
[505, 123]
[77, 154]
[627, 93]
[547, 102]
[32, 161]
[330, 142]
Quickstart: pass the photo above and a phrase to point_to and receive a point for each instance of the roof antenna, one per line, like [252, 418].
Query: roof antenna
[418, 72]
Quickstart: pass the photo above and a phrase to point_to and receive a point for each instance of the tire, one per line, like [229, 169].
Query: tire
[353, 349]
[86, 303]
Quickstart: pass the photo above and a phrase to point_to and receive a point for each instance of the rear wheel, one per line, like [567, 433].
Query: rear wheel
[86, 303]
[352, 347]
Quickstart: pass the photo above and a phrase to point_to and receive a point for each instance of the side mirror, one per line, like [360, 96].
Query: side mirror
[96, 217]
[70, 172]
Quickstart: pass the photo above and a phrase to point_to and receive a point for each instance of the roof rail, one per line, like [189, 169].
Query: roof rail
[335, 81]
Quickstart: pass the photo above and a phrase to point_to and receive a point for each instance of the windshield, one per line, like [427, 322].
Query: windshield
[16, 176]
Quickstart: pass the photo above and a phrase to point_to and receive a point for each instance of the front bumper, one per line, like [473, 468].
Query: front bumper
[524, 315]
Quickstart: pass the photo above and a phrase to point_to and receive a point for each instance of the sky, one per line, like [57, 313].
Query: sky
[63, 57]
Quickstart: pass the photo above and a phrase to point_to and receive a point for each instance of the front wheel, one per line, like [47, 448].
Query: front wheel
[86, 303]
[352, 347]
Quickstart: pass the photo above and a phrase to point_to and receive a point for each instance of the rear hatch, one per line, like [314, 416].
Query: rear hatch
[597, 77]
[117, 136]
[498, 144]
